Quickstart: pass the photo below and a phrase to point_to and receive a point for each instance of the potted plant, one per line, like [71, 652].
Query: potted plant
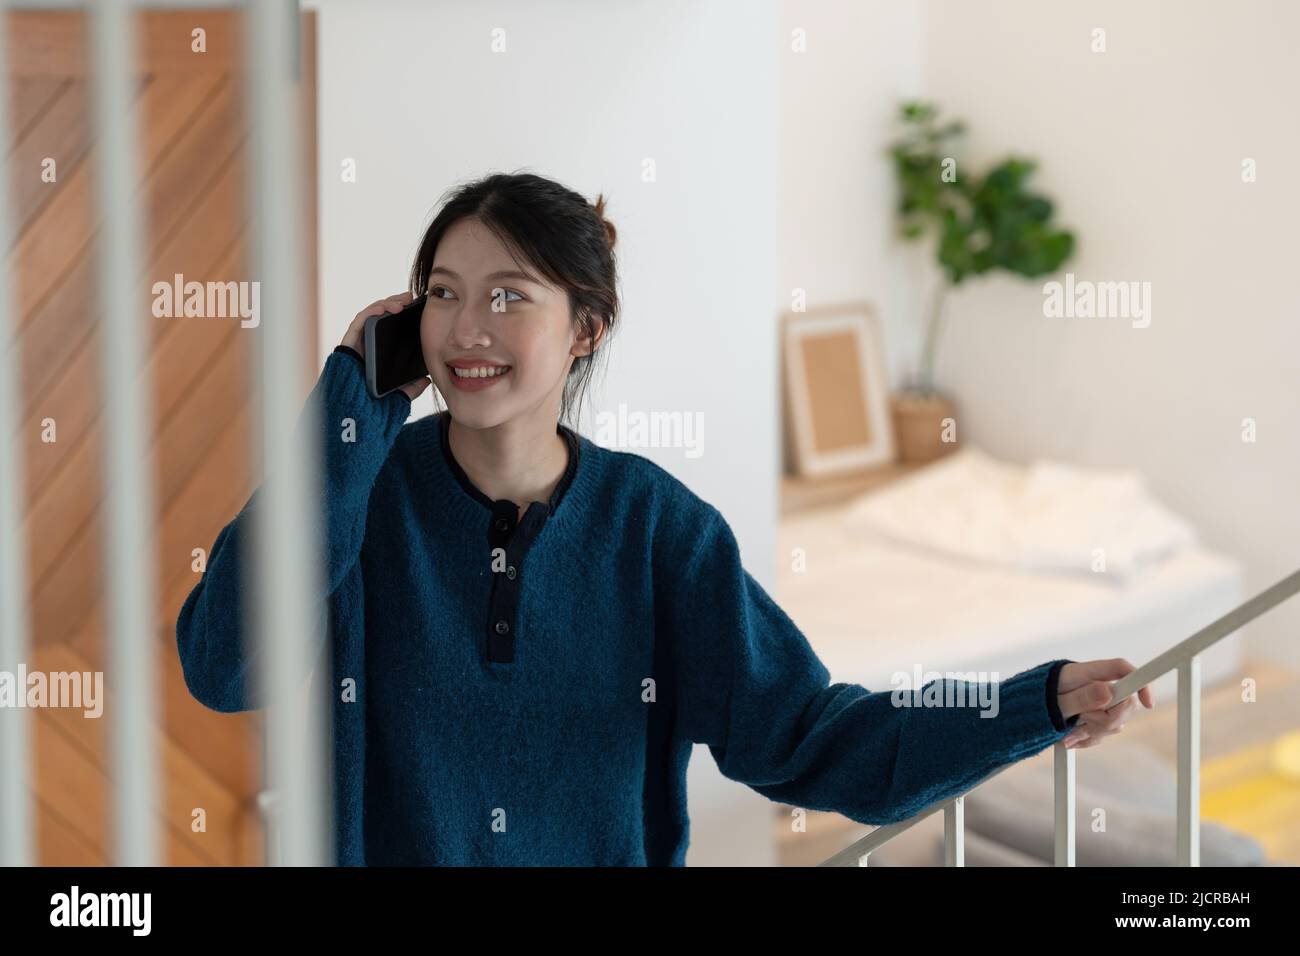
[983, 223]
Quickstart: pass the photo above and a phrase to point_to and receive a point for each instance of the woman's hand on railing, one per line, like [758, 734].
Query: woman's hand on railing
[1083, 689]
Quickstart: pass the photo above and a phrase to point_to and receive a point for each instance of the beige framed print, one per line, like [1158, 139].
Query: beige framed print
[837, 396]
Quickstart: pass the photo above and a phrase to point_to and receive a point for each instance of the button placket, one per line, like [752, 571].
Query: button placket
[514, 535]
[504, 605]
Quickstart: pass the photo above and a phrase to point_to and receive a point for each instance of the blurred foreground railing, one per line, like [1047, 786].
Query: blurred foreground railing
[282, 617]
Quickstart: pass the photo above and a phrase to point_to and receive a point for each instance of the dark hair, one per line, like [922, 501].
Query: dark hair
[559, 233]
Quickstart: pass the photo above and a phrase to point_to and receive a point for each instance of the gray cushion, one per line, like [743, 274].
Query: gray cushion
[1133, 785]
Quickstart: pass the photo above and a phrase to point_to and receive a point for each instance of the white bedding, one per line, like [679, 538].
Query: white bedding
[1047, 515]
[871, 608]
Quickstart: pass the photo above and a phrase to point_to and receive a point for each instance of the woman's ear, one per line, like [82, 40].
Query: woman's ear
[586, 344]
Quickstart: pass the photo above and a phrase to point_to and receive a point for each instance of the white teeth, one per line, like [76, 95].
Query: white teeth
[481, 371]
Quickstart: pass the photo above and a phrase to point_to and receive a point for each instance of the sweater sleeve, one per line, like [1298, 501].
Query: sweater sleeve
[1053, 701]
[211, 625]
[750, 687]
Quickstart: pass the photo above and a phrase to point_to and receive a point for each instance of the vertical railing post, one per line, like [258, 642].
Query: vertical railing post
[128, 529]
[15, 741]
[1063, 803]
[268, 813]
[1189, 762]
[287, 532]
[954, 833]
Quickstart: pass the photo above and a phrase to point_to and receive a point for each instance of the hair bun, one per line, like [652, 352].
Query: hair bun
[611, 234]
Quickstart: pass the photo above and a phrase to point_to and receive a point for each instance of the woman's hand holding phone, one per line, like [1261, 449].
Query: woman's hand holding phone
[354, 338]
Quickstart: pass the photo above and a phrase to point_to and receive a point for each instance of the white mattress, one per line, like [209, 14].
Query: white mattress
[871, 608]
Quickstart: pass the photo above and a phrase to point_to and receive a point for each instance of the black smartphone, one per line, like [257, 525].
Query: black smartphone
[393, 353]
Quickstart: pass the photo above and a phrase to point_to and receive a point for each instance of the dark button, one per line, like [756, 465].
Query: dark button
[502, 627]
[510, 572]
[502, 524]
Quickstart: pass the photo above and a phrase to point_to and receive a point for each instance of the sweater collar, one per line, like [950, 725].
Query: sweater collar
[465, 500]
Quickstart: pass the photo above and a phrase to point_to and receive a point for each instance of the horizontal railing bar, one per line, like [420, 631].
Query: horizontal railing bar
[1185, 650]
[883, 834]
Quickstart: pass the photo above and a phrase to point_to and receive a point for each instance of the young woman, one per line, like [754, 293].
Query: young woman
[530, 631]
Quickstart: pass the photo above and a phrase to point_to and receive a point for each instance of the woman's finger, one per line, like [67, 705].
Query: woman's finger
[414, 389]
[1095, 695]
[1109, 718]
[1094, 719]
[1088, 738]
[352, 337]
[389, 303]
[1106, 669]
[1097, 732]
[356, 330]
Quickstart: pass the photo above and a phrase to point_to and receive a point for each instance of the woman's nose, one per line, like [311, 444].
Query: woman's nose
[468, 326]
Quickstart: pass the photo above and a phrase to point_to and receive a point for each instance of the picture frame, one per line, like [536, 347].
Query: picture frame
[838, 416]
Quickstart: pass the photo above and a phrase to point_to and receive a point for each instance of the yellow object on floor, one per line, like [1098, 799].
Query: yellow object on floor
[1257, 790]
[1286, 755]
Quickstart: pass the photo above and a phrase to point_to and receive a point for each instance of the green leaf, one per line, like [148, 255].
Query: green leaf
[983, 222]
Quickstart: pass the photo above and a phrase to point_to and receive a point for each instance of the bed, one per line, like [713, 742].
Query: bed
[871, 607]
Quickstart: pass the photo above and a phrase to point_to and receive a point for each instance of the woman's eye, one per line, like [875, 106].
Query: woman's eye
[501, 294]
[437, 289]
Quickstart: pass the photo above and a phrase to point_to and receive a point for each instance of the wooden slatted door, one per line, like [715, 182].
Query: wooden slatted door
[191, 118]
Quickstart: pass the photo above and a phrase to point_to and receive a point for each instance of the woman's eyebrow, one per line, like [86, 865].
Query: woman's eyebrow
[502, 274]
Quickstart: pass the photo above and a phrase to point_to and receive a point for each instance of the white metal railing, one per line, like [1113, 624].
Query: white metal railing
[15, 733]
[284, 529]
[1183, 657]
[128, 534]
[287, 535]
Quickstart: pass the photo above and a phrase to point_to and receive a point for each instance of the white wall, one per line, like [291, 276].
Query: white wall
[838, 105]
[1141, 147]
[584, 93]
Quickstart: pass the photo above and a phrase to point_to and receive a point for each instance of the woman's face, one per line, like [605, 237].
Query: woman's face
[483, 313]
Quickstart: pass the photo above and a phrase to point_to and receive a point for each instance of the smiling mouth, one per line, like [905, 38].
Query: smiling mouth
[481, 371]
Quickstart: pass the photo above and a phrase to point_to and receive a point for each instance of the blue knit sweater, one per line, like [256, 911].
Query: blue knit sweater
[527, 691]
